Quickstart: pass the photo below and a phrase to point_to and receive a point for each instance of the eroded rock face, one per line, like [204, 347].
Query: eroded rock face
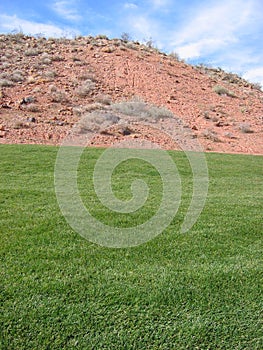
[47, 86]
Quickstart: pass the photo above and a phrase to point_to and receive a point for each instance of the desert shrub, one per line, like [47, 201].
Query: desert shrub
[85, 89]
[6, 83]
[9, 54]
[131, 45]
[142, 110]
[96, 120]
[17, 76]
[174, 55]
[126, 37]
[57, 96]
[50, 74]
[81, 110]
[229, 135]
[33, 108]
[211, 135]
[231, 78]
[46, 60]
[257, 86]
[221, 90]
[102, 36]
[87, 76]
[58, 58]
[5, 65]
[18, 125]
[32, 52]
[245, 128]
[103, 99]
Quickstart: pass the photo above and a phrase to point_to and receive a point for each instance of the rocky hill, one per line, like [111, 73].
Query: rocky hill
[47, 85]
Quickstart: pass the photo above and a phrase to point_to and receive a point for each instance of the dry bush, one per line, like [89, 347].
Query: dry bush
[58, 96]
[86, 88]
[257, 86]
[58, 58]
[80, 110]
[211, 135]
[174, 55]
[229, 135]
[142, 110]
[96, 121]
[6, 65]
[32, 52]
[103, 99]
[245, 128]
[17, 76]
[46, 60]
[33, 108]
[18, 125]
[88, 76]
[51, 75]
[6, 83]
[221, 90]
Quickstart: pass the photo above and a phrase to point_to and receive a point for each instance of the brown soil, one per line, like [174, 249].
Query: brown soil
[47, 85]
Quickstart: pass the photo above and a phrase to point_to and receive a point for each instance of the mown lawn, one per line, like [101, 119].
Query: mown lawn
[198, 290]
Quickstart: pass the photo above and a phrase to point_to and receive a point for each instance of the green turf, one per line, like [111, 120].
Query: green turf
[198, 290]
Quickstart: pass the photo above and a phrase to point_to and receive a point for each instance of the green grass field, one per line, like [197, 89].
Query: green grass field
[198, 290]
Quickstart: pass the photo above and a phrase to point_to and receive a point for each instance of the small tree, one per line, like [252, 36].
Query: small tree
[126, 37]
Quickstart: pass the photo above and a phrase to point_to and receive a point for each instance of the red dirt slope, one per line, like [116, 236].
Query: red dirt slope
[47, 85]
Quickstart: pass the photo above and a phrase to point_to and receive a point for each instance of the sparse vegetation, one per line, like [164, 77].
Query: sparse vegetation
[257, 86]
[6, 83]
[88, 76]
[245, 128]
[32, 107]
[174, 55]
[220, 90]
[32, 52]
[17, 76]
[57, 95]
[126, 37]
[86, 88]
[142, 110]
[103, 99]
[50, 74]
[211, 135]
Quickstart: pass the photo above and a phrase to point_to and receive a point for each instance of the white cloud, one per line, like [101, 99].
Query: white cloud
[66, 9]
[255, 75]
[10, 23]
[130, 6]
[140, 26]
[195, 49]
[213, 27]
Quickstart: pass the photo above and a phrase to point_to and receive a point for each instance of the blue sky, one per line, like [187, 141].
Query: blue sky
[226, 33]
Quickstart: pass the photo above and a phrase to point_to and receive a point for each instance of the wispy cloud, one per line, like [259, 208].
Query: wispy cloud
[67, 10]
[255, 75]
[10, 23]
[213, 27]
[130, 6]
[142, 27]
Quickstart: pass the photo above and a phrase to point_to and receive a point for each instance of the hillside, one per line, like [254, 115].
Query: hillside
[46, 85]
